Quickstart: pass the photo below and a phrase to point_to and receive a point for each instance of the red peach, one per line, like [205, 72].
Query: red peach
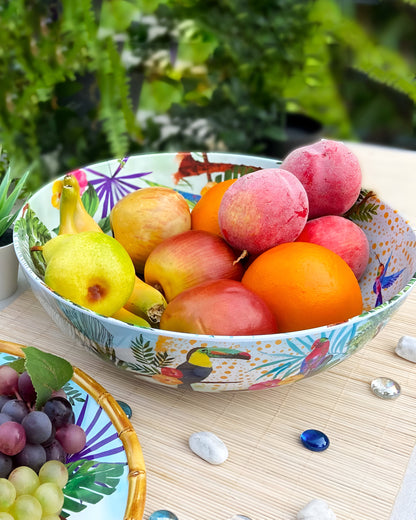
[342, 236]
[263, 209]
[330, 174]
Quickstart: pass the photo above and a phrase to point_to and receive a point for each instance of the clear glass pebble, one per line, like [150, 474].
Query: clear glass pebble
[385, 388]
[163, 514]
[314, 440]
[126, 408]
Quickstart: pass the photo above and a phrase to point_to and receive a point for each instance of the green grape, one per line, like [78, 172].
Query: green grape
[24, 479]
[50, 497]
[8, 516]
[7, 494]
[25, 507]
[54, 471]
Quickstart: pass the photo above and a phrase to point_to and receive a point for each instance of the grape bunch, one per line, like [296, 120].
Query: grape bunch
[28, 436]
[27, 495]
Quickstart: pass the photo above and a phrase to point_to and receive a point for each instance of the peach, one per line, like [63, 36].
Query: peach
[330, 174]
[263, 209]
[342, 236]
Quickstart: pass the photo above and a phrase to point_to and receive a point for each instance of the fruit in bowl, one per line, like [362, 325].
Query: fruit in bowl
[218, 362]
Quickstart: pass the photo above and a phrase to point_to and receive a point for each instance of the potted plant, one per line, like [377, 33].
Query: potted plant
[10, 190]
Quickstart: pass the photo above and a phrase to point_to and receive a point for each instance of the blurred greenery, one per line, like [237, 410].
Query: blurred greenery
[87, 80]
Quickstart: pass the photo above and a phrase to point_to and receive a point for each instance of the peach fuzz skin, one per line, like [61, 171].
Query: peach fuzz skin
[343, 237]
[263, 209]
[330, 174]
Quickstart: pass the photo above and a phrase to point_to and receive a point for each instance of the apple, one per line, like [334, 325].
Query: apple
[144, 218]
[188, 259]
[263, 209]
[223, 307]
[330, 173]
[342, 236]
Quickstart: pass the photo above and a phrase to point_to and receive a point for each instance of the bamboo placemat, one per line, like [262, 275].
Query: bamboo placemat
[269, 475]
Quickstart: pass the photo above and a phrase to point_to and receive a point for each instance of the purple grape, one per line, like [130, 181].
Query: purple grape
[55, 451]
[16, 408]
[6, 465]
[59, 411]
[3, 400]
[12, 438]
[4, 417]
[25, 388]
[38, 427]
[8, 380]
[32, 455]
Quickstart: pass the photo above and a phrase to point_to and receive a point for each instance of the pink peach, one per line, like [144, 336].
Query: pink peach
[263, 209]
[330, 174]
[342, 236]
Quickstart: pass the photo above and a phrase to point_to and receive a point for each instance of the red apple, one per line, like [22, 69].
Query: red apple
[330, 174]
[343, 237]
[221, 307]
[188, 259]
[263, 209]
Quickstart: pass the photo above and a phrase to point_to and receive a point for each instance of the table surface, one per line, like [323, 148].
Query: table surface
[367, 473]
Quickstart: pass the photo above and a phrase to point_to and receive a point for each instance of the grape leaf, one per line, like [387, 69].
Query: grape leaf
[47, 372]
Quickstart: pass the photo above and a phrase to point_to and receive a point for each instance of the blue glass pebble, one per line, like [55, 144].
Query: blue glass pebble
[163, 514]
[126, 408]
[314, 440]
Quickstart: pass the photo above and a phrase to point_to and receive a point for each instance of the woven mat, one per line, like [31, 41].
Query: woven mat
[269, 475]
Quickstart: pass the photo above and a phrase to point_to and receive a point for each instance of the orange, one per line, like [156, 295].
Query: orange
[305, 285]
[205, 212]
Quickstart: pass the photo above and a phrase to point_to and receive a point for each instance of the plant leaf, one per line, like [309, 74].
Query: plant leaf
[47, 371]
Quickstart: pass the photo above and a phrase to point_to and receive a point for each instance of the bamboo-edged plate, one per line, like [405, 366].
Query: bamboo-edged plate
[108, 476]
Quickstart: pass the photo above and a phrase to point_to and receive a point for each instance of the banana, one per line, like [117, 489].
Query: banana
[74, 218]
[146, 301]
[128, 317]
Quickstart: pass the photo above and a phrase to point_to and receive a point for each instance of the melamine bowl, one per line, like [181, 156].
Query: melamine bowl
[230, 362]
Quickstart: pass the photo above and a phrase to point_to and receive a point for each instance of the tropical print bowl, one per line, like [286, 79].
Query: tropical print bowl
[107, 479]
[215, 363]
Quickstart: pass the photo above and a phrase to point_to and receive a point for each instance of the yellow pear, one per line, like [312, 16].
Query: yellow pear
[73, 217]
[53, 245]
[93, 270]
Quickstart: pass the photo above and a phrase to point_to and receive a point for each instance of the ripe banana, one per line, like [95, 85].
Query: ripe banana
[74, 218]
[146, 302]
[128, 317]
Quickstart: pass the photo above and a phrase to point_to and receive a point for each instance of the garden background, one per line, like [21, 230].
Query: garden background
[87, 80]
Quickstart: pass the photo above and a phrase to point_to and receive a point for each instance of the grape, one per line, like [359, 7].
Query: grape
[25, 507]
[59, 411]
[51, 498]
[54, 471]
[25, 480]
[32, 455]
[6, 464]
[7, 494]
[25, 388]
[16, 408]
[38, 427]
[60, 393]
[12, 438]
[55, 451]
[4, 417]
[8, 380]
[3, 400]
[8, 516]
[72, 437]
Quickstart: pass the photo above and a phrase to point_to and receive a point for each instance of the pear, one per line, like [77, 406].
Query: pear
[73, 217]
[92, 270]
[53, 245]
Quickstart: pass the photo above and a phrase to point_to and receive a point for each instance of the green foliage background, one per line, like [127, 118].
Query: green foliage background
[86, 80]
